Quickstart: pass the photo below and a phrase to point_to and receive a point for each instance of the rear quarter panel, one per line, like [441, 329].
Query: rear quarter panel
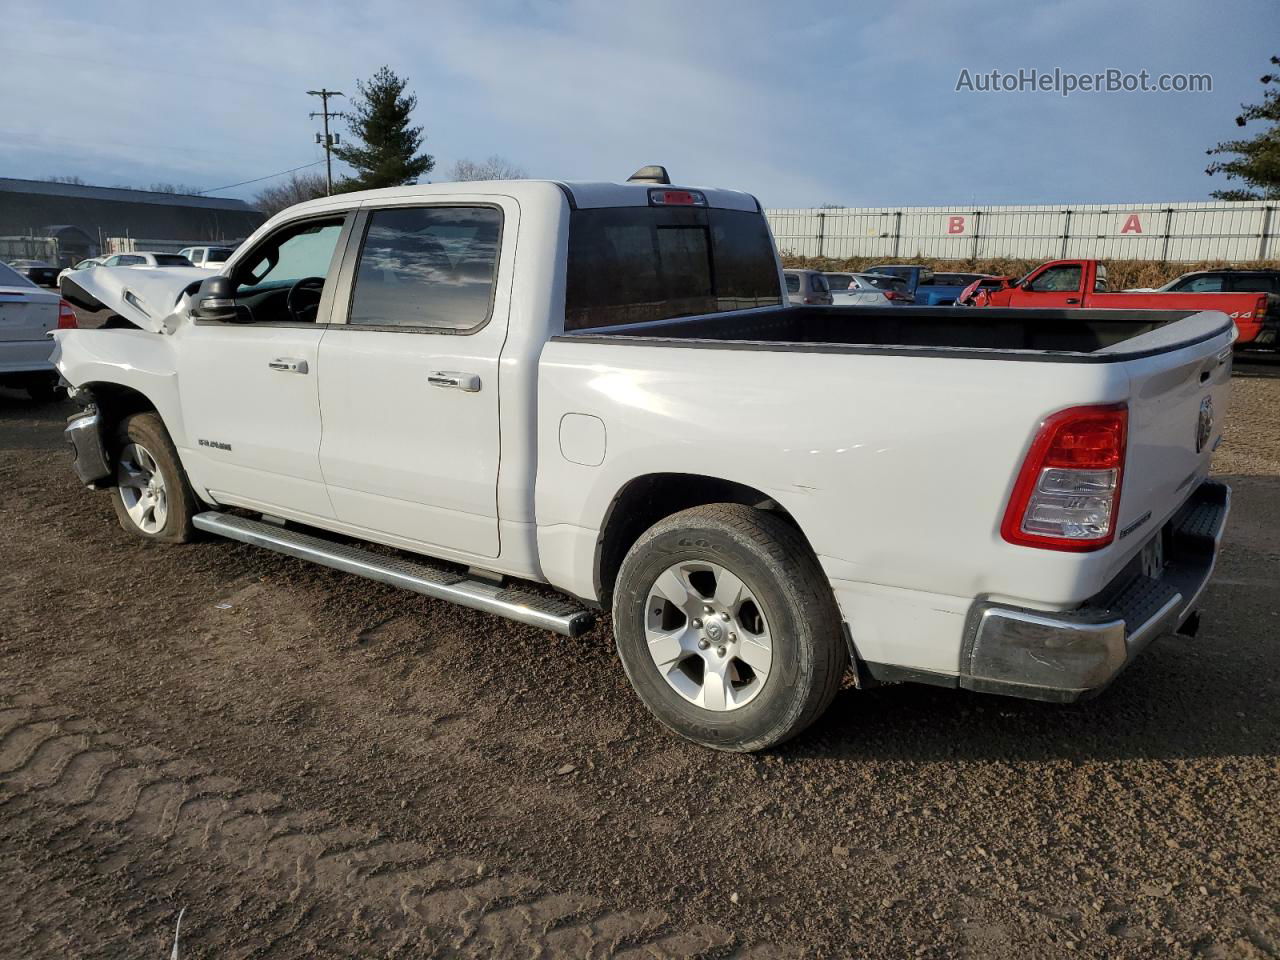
[897, 468]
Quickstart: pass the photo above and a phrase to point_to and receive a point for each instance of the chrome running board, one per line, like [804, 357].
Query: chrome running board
[441, 583]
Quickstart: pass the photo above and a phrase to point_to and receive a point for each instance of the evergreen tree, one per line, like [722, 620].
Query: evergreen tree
[388, 155]
[1257, 160]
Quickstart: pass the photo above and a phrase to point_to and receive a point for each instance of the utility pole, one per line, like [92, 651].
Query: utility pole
[329, 140]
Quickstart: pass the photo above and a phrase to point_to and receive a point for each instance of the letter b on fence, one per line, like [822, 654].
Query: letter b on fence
[955, 224]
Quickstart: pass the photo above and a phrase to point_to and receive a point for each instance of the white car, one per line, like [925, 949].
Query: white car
[868, 290]
[142, 259]
[600, 388]
[82, 265]
[210, 258]
[27, 315]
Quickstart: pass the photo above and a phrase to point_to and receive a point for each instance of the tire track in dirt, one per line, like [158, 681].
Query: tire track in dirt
[408, 896]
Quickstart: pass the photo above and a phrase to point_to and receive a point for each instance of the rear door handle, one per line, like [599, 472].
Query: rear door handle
[467, 382]
[1073, 299]
[288, 365]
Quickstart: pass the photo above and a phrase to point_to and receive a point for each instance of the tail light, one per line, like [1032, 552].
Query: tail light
[1067, 495]
[66, 316]
[893, 295]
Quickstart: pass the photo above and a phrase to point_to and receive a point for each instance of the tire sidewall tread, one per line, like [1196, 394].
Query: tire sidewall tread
[777, 565]
[148, 430]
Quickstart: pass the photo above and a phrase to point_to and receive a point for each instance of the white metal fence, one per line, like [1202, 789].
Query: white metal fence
[1210, 230]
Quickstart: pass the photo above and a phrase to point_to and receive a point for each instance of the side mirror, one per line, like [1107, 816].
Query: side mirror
[215, 300]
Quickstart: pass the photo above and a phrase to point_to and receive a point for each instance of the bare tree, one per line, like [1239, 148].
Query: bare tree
[183, 188]
[76, 181]
[299, 187]
[495, 168]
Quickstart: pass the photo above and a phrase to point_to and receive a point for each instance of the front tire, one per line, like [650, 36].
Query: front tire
[727, 628]
[152, 496]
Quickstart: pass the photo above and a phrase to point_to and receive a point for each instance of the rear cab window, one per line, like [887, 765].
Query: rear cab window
[638, 264]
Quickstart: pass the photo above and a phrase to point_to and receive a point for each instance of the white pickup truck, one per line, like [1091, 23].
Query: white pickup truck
[599, 387]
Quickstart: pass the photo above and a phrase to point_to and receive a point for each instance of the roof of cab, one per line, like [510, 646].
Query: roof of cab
[580, 194]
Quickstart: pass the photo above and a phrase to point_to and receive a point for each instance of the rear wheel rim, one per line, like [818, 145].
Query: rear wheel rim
[708, 635]
[142, 488]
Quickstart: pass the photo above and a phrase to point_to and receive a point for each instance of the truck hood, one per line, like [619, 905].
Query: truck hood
[145, 296]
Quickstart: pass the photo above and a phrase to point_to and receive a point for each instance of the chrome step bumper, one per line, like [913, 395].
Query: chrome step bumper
[1073, 654]
[441, 583]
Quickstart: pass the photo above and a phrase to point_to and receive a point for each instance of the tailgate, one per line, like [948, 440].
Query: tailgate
[1177, 408]
[26, 315]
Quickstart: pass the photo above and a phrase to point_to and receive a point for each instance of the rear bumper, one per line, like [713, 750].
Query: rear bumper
[1073, 654]
[26, 356]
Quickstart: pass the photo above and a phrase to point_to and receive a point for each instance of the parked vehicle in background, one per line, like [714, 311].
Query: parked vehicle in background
[37, 271]
[807, 287]
[82, 265]
[1083, 283]
[27, 314]
[139, 259]
[1229, 281]
[929, 288]
[211, 258]
[485, 373]
[867, 289]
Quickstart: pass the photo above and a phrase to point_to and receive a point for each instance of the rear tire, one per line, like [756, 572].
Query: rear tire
[152, 497]
[751, 652]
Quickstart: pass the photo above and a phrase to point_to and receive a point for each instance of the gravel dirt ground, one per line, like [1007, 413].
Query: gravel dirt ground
[309, 764]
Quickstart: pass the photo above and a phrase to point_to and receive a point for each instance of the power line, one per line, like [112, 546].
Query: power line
[256, 179]
[329, 139]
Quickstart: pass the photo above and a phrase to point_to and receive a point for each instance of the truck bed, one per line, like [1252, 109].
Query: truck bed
[1080, 335]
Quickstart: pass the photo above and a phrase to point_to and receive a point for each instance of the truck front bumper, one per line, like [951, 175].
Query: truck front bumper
[84, 435]
[1074, 654]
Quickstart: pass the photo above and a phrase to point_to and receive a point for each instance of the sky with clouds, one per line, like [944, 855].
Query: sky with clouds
[801, 103]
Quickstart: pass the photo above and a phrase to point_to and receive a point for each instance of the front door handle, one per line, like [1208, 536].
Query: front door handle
[288, 365]
[467, 382]
[1073, 299]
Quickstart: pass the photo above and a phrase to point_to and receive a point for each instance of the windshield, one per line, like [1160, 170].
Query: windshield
[634, 264]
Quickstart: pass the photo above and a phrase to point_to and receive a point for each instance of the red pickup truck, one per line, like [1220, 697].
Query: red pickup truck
[1083, 283]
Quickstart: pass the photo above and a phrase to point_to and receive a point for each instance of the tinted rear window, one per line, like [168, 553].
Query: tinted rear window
[216, 256]
[1253, 284]
[171, 260]
[636, 264]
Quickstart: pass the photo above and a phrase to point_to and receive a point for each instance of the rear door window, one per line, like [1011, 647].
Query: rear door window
[793, 283]
[434, 267]
[1260, 283]
[635, 264]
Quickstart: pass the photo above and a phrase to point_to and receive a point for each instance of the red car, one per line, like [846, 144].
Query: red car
[1083, 283]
